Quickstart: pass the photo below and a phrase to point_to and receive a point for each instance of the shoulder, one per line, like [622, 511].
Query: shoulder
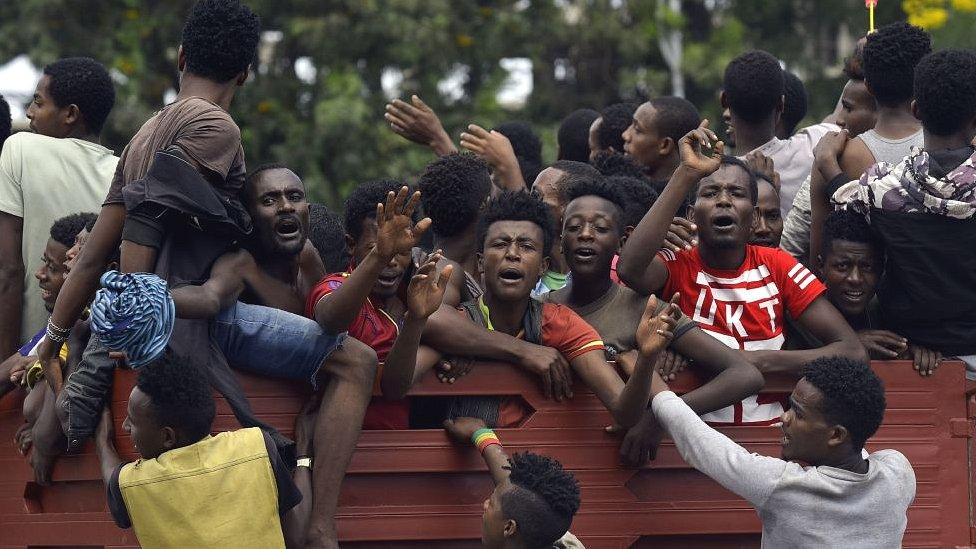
[856, 158]
[772, 257]
[893, 458]
[815, 132]
[28, 143]
[556, 296]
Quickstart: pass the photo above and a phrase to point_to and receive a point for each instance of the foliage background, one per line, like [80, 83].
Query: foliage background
[331, 128]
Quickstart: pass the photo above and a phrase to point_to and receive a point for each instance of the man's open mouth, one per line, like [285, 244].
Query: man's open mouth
[389, 278]
[584, 254]
[724, 222]
[288, 227]
[511, 275]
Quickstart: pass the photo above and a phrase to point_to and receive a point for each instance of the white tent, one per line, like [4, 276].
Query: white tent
[18, 78]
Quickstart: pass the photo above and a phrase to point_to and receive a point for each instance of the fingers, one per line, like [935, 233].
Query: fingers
[419, 103]
[445, 277]
[673, 310]
[402, 108]
[547, 384]
[412, 203]
[421, 227]
[477, 131]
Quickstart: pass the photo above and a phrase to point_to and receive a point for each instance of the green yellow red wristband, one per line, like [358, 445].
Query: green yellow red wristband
[483, 438]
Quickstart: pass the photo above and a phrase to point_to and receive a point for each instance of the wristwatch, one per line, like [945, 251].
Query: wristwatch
[304, 462]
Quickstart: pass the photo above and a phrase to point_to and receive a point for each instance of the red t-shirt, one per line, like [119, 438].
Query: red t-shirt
[743, 308]
[374, 327]
[564, 331]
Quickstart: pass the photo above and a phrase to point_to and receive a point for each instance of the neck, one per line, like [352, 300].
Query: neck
[943, 142]
[461, 249]
[896, 122]
[750, 136]
[666, 169]
[219, 94]
[583, 291]
[83, 134]
[506, 316]
[852, 462]
[281, 267]
[557, 262]
[725, 259]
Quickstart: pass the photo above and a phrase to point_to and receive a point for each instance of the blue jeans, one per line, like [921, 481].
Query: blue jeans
[272, 342]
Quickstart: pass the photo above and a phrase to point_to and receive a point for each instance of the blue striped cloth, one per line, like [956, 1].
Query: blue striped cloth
[133, 313]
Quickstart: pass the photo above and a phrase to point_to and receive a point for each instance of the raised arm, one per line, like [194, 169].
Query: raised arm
[464, 429]
[395, 233]
[11, 282]
[497, 151]
[639, 266]
[225, 284]
[108, 457]
[417, 122]
[826, 167]
[424, 296]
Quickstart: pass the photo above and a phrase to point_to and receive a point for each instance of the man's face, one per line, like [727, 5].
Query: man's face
[727, 121]
[50, 275]
[493, 523]
[148, 437]
[642, 142]
[390, 277]
[71, 256]
[806, 431]
[723, 209]
[46, 118]
[858, 108]
[547, 187]
[591, 237]
[594, 141]
[276, 202]
[851, 271]
[769, 219]
[512, 260]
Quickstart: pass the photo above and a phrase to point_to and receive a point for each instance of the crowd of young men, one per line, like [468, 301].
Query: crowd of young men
[646, 248]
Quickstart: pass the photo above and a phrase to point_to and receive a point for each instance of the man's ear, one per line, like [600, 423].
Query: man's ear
[511, 528]
[667, 146]
[169, 438]
[755, 218]
[241, 78]
[544, 266]
[350, 244]
[481, 264]
[723, 99]
[820, 263]
[915, 111]
[868, 87]
[781, 106]
[72, 115]
[838, 436]
[690, 213]
[181, 59]
[628, 230]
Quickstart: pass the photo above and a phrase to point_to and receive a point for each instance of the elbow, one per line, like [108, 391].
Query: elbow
[751, 378]
[857, 351]
[626, 271]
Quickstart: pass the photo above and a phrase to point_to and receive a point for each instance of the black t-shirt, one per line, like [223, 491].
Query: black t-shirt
[288, 493]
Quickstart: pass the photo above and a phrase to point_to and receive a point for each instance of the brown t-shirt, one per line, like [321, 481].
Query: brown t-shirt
[202, 130]
[616, 314]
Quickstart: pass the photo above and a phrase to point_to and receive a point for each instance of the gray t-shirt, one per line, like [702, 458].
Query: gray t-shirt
[800, 507]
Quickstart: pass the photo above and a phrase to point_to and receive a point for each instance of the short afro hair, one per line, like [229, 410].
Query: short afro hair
[220, 39]
[854, 65]
[327, 234]
[611, 164]
[850, 226]
[616, 119]
[65, 230]
[83, 82]
[853, 396]
[890, 56]
[945, 90]
[604, 189]
[754, 85]
[575, 173]
[573, 136]
[640, 196]
[270, 166]
[361, 203]
[453, 190]
[795, 102]
[753, 181]
[6, 124]
[179, 393]
[674, 117]
[527, 147]
[517, 206]
[543, 499]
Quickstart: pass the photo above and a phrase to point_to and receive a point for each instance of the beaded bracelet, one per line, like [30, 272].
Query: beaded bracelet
[55, 334]
[483, 438]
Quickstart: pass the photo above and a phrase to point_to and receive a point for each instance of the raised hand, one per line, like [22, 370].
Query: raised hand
[497, 151]
[395, 230]
[462, 428]
[831, 146]
[655, 331]
[700, 150]
[764, 166]
[417, 122]
[426, 289]
[682, 235]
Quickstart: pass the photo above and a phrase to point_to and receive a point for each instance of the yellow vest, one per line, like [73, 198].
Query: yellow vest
[219, 492]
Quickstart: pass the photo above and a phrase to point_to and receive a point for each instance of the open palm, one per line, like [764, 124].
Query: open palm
[396, 232]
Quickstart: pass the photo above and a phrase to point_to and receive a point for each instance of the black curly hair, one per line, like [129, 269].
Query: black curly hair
[611, 164]
[84, 82]
[850, 226]
[453, 190]
[575, 172]
[854, 65]
[573, 136]
[180, 395]
[639, 196]
[753, 85]
[362, 201]
[6, 124]
[220, 39]
[327, 234]
[615, 119]
[795, 102]
[543, 499]
[945, 90]
[890, 56]
[517, 206]
[604, 189]
[853, 396]
[527, 147]
[674, 117]
[65, 230]
[753, 181]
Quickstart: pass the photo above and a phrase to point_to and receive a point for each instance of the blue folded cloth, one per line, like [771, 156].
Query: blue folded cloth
[133, 313]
